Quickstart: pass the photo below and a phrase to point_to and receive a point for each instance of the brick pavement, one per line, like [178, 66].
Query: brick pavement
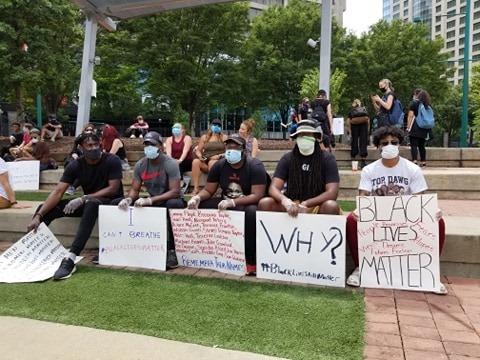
[415, 325]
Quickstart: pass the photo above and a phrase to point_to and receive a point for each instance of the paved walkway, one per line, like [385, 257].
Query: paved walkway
[415, 325]
[25, 339]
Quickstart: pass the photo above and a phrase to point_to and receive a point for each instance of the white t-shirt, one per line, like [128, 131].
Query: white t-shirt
[405, 178]
[3, 170]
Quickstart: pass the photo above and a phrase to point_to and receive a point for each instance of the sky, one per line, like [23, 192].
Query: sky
[360, 14]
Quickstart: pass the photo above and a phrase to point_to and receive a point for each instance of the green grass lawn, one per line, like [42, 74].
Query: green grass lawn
[281, 320]
[346, 205]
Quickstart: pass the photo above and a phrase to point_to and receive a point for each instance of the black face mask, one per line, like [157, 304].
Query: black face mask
[93, 154]
[383, 89]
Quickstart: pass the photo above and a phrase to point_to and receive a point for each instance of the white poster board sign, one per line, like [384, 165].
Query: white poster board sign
[307, 249]
[210, 239]
[35, 257]
[338, 126]
[136, 237]
[398, 242]
[24, 175]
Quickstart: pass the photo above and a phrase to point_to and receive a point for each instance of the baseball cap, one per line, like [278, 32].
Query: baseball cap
[153, 137]
[308, 126]
[216, 122]
[236, 139]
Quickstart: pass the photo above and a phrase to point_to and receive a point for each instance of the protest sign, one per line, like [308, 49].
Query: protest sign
[210, 239]
[337, 126]
[24, 175]
[35, 257]
[306, 249]
[398, 242]
[136, 237]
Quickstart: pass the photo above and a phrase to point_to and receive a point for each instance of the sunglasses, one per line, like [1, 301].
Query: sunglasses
[393, 142]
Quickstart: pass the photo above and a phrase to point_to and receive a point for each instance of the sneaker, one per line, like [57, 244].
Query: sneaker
[172, 261]
[251, 270]
[132, 136]
[442, 290]
[95, 259]
[141, 136]
[354, 278]
[70, 191]
[65, 270]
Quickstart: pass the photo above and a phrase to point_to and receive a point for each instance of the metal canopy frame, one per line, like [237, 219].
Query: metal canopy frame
[103, 11]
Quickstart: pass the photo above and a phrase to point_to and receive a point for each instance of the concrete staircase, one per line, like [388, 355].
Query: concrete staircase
[461, 255]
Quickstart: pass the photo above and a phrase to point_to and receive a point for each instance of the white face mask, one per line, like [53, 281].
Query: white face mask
[390, 151]
[306, 145]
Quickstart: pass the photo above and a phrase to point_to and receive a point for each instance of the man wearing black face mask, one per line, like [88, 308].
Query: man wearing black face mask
[243, 181]
[100, 176]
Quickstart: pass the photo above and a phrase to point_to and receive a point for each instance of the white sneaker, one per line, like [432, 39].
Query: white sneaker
[141, 136]
[70, 190]
[354, 278]
[442, 291]
[132, 136]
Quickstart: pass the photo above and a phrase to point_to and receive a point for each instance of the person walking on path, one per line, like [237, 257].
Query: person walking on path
[417, 135]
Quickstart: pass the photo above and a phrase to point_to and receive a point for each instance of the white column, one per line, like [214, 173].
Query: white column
[325, 46]
[85, 91]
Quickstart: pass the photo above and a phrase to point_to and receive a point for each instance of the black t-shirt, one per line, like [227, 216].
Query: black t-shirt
[93, 178]
[416, 131]
[385, 98]
[329, 168]
[236, 183]
[52, 123]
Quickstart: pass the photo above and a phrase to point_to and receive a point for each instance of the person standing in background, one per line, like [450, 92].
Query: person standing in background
[358, 124]
[417, 135]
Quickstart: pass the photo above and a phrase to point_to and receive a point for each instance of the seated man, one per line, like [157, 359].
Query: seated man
[160, 175]
[100, 176]
[311, 175]
[15, 139]
[138, 129]
[387, 139]
[243, 182]
[52, 129]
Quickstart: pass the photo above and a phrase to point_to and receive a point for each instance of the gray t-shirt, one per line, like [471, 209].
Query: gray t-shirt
[155, 177]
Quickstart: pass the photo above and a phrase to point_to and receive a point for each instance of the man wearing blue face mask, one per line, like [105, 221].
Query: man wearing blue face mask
[100, 176]
[243, 181]
[160, 175]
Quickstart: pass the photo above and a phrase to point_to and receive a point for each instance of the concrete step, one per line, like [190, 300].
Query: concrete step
[448, 183]
[461, 255]
[436, 157]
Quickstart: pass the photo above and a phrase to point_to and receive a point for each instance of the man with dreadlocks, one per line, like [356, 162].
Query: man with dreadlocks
[311, 175]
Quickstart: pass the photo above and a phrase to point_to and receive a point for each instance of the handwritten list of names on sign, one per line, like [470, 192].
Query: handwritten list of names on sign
[210, 239]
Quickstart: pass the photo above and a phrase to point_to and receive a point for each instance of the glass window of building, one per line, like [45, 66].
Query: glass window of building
[450, 44]
[451, 3]
[476, 48]
[450, 34]
[451, 24]
[476, 15]
[438, 28]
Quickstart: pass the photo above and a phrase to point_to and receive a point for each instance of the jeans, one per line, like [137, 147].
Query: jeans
[88, 213]
[249, 227]
[418, 144]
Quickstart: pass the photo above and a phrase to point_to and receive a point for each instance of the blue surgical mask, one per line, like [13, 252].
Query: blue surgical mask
[151, 152]
[233, 156]
[176, 131]
[216, 129]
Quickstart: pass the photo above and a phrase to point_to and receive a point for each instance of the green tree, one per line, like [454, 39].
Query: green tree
[185, 56]
[401, 52]
[39, 46]
[475, 101]
[276, 57]
[448, 114]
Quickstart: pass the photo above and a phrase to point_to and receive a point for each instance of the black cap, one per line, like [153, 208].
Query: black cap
[216, 122]
[236, 139]
[153, 137]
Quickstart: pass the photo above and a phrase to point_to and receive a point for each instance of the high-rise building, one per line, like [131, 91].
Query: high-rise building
[445, 19]
[338, 7]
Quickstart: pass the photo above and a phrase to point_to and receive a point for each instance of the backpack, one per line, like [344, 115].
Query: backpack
[318, 112]
[396, 113]
[425, 118]
[359, 111]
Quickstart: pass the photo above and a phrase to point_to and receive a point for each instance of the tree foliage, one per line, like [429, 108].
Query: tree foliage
[40, 48]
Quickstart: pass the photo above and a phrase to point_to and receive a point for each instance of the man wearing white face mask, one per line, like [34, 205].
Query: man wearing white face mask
[160, 175]
[243, 181]
[389, 176]
[310, 173]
